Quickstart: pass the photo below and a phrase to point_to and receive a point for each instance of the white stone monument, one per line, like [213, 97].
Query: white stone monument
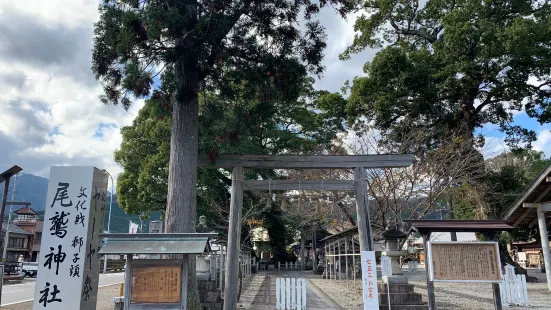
[69, 263]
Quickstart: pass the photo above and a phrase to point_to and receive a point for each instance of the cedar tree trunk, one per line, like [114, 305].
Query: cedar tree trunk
[182, 176]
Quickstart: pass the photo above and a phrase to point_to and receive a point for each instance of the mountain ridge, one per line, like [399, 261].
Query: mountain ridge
[34, 189]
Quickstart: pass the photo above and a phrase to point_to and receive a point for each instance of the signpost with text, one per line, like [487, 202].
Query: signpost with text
[69, 260]
[464, 262]
[369, 280]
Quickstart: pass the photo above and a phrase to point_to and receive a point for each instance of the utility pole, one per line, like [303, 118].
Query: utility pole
[5, 177]
[7, 236]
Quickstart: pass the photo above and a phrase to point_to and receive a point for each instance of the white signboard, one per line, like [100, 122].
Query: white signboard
[68, 271]
[369, 280]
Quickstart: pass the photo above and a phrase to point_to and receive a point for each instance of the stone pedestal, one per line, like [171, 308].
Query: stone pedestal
[395, 261]
[209, 295]
[402, 295]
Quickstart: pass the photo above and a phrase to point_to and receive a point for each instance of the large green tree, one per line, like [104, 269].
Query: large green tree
[193, 45]
[453, 65]
[292, 122]
[507, 176]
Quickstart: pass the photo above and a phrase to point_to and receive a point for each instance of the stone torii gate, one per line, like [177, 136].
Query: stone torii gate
[238, 162]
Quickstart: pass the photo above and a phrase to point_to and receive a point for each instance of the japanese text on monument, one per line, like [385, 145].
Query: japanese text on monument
[465, 262]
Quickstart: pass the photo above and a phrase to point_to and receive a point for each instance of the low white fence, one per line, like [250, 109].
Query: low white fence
[513, 288]
[290, 294]
[288, 266]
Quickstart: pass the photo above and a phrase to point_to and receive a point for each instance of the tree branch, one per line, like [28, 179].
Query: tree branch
[410, 32]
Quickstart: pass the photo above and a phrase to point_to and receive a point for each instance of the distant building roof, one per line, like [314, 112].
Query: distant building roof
[26, 211]
[15, 229]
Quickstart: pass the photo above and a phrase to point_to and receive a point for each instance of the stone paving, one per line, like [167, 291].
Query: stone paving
[315, 298]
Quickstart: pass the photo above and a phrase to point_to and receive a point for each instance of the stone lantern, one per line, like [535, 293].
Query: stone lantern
[393, 236]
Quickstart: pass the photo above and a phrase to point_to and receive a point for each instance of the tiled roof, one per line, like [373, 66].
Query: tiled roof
[15, 229]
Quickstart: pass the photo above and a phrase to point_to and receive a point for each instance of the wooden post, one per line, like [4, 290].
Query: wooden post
[346, 257]
[340, 257]
[3, 207]
[354, 262]
[314, 251]
[334, 251]
[430, 284]
[326, 260]
[185, 280]
[332, 268]
[221, 267]
[302, 237]
[362, 210]
[545, 245]
[127, 281]
[232, 262]
[497, 296]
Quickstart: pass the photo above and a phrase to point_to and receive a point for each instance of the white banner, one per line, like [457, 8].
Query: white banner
[132, 228]
[369, 280]
[68, 271]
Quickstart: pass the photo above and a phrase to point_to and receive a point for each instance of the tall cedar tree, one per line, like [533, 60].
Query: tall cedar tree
[191, 44]
[290, 123]
[453, 64]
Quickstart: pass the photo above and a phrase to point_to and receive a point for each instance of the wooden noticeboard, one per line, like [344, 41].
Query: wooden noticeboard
[465, 261]
[157, 284]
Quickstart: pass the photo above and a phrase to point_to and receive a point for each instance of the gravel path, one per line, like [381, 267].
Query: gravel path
[460, 296]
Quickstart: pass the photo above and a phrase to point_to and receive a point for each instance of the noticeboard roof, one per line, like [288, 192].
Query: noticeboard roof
[458, 225]
[185, 243]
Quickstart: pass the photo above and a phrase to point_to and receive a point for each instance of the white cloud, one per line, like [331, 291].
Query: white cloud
[340, 34]
[50, 113]
[49, 109]
[543, 143]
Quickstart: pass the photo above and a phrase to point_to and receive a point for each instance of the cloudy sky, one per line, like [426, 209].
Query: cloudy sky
[49, 109]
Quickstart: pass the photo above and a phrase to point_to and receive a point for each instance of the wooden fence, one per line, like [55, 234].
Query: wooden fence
[513, 288]
[290, 294]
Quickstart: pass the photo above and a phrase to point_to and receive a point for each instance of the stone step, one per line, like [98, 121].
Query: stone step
[396, 288]
[405, 307]
[401, 299]
[209, 297]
